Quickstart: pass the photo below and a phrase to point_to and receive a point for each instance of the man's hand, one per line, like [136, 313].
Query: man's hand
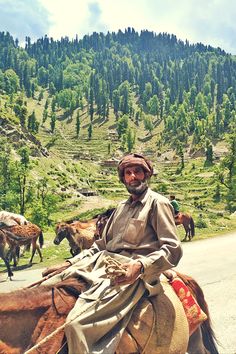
[56, 269]
[133, 270]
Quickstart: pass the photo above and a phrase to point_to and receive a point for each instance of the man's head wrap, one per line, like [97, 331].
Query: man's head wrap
[134, 160]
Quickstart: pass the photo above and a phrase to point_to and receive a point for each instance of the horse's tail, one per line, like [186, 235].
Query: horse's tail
[41, 240]
[209, 338]
[192, 227]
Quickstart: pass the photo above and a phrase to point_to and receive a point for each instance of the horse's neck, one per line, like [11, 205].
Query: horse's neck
[71, 240]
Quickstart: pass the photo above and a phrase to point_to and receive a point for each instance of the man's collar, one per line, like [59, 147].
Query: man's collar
[142, 199]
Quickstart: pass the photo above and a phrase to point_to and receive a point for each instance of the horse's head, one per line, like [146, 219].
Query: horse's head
[101, 222]
[61, 232]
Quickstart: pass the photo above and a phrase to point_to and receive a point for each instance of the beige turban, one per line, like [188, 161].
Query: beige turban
[134, 160]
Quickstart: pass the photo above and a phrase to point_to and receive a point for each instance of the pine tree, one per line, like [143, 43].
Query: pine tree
[209, 153]
[90, 131]
[53, 122]
[77, 124]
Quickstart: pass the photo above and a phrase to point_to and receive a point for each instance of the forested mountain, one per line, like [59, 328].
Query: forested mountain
[191, 88]
[181, 93]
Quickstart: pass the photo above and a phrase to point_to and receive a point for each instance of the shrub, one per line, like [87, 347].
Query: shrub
[201, 223]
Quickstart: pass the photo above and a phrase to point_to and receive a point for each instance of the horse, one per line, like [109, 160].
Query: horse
[80, 235]
[187, 221]
[32, 320]
[8, 219]
[19, 235]
[101, 222]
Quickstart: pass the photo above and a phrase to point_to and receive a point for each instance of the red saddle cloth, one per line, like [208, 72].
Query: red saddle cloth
[193, 311]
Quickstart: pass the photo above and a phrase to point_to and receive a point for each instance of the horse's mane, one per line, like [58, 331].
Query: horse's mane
[106, 213]
[25, 299]
[39, 297]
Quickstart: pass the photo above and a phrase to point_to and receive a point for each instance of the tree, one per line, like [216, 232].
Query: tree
[209, 153]
[124, 93]
[42, 189]
[77, 124]
[130, 139]
[154, 106]
[12, 81]
[22, 115]
[227, 173]
[122, 125]
[53, 122]
[90, 102]
[180, 152]
[33, 125]
[22, 169]
[148, 124]
[5, 172]
[45, 115]
[116, 102]
[90, 131]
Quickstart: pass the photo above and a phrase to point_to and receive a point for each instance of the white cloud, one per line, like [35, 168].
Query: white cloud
[23, 18]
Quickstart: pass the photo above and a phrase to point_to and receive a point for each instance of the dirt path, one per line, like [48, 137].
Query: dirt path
[95, 202]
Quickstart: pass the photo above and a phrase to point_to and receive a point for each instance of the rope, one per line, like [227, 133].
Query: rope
[113, 268]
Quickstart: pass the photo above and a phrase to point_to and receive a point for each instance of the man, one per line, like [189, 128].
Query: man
[141, 235]
[175, 205]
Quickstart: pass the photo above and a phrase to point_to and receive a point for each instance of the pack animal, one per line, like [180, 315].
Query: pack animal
[188, 223]
[29, 316]
[101, 222]
[12, 237]
[80, 235]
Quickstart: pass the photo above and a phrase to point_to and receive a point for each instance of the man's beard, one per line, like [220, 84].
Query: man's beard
[137, 190]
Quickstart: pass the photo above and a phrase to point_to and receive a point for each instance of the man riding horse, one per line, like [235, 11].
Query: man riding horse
[138, 243]
[175, 205]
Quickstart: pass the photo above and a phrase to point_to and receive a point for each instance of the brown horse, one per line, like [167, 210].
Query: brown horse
[187, 221]
[80, 235]
[28, 316]
[101, 222]
[19, 235]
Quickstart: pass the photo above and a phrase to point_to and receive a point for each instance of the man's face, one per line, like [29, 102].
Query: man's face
[135, 179]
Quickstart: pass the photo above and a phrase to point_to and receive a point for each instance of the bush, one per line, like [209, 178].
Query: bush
[201, 223]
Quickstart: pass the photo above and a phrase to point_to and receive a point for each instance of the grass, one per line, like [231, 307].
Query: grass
[74, 163]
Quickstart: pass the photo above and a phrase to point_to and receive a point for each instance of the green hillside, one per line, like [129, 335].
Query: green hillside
[70, 109]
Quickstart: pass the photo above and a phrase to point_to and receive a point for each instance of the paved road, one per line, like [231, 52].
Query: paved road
[212, 263]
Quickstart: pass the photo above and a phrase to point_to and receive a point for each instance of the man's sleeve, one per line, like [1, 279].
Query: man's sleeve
[170, 250]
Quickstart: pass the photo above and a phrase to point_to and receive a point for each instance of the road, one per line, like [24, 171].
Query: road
[212, 263]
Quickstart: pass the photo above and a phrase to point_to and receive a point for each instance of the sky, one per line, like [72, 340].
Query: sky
[211, 22]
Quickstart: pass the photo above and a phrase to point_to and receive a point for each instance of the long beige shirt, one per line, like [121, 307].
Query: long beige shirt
[144, 230]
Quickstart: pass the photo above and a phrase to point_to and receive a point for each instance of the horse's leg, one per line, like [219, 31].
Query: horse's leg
[39, 252]
[33, 242]
[186, 233]
[6, 261]
[13, 253]
[189, 234]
